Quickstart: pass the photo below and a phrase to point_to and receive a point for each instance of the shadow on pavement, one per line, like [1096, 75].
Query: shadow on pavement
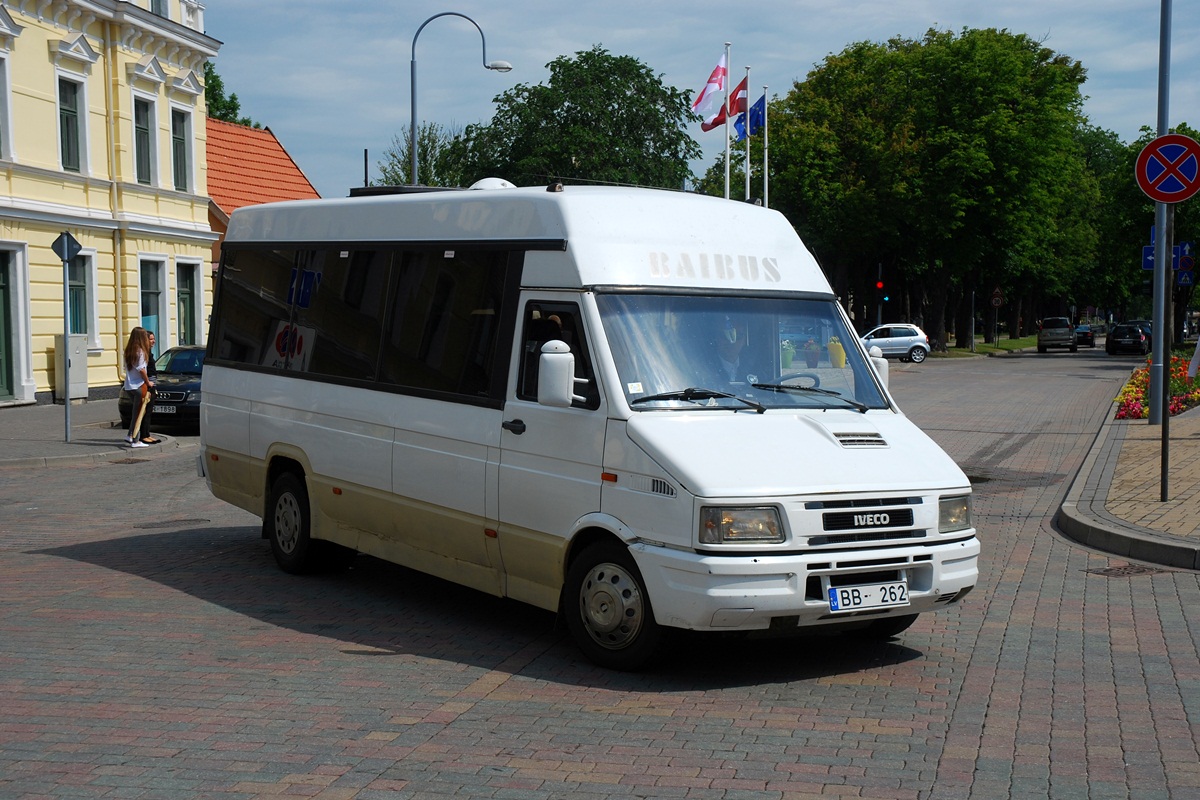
[378, 609]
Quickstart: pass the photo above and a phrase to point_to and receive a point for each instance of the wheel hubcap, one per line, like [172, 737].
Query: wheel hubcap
[287, 522]
[611, 606]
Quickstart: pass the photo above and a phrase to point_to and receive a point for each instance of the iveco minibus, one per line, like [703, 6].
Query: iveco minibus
[643, 410]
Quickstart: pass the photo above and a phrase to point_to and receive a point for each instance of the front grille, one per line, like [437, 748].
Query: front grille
[870, 536]
[174, 397]
[882, 518]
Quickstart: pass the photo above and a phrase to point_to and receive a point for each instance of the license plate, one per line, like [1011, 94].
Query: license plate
[868, 595]
[163, 409]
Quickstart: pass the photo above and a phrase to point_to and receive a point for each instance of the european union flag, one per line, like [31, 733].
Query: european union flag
[758, 114]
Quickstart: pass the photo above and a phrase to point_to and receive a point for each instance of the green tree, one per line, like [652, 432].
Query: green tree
[950, 162]
[599, 118]
[432, 139]
[226, 109]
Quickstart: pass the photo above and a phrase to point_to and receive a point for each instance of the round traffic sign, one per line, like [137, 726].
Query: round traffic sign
[1168, 169]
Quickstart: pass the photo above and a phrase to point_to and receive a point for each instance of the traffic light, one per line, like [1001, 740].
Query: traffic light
[879, 291]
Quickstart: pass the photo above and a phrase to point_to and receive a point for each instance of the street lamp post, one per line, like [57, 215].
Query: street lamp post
[498, 66]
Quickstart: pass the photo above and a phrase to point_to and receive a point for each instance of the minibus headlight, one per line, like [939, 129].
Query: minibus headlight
[954, 513]
[736, 525]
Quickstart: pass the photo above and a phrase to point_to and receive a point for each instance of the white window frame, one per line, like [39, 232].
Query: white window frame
[154, 132]
[164, 332]
[81, 82]
[91, 283]
[7, 152]
[189, 143]
[24, 387]
[196, 267]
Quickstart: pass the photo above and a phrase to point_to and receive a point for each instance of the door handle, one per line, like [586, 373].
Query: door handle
[516, 426]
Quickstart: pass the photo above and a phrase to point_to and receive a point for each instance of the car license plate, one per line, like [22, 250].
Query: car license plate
[163, 409]
[868, 595]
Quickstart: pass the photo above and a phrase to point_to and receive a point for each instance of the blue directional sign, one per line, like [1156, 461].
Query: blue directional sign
[1148, 257]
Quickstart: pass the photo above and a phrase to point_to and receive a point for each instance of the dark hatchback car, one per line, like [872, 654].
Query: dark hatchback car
[1085, 336]
[177, 389]
[1128, 337]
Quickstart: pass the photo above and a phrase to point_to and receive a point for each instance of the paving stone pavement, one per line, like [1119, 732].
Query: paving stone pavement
[162, 654]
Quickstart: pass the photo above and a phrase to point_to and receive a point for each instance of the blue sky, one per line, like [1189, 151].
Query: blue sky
[331, 79]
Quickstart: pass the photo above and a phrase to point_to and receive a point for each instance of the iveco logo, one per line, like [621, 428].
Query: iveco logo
[871, 520]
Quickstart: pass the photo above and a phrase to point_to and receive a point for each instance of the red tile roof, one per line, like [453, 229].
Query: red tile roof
[248, 166]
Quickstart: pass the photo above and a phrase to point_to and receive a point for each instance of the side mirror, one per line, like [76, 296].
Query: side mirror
[556, 376]
[880, 363]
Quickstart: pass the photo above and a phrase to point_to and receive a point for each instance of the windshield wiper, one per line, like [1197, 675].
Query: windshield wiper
[694, 393]
[783, 387]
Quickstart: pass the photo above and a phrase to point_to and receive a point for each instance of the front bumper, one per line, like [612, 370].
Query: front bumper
[705, 592]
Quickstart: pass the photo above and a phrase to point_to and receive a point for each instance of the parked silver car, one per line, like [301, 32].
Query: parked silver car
[899, 340]
[1056, 332]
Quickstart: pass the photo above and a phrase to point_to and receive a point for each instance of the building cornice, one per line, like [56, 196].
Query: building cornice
[29, 210]
[138, 30]
[9, 30]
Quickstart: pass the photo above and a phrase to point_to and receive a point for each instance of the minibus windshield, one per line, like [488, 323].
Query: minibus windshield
[736, 353]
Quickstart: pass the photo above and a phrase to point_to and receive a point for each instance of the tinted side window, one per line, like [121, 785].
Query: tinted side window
[339, 297]
[254, 305]
[444, 320]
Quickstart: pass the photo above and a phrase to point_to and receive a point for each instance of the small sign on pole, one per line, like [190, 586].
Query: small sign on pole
[66, 247]
[1168, 169]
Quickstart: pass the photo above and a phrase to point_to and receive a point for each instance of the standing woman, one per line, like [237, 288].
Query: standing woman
[152, 374]
[137, 381]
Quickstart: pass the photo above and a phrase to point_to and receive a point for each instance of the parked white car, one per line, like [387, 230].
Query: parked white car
[902, 340]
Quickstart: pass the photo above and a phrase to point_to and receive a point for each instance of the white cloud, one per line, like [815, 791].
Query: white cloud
[331, 79]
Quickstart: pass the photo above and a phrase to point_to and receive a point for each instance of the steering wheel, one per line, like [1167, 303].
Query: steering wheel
[805, 376]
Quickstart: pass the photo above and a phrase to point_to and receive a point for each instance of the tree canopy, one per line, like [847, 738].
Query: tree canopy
[599, 118]
[947, 164]
[432, 139]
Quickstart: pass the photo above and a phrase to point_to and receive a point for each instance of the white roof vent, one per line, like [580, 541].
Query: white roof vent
[492, 183]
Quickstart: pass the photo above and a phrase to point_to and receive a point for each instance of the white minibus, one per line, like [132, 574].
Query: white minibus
[643, 410]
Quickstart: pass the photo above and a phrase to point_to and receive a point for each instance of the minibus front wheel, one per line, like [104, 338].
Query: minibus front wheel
[608, 610]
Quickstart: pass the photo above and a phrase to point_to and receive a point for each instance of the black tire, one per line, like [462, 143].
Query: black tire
[288, 524]
[607, 609]
[1074, 348]
[917, 354]
[886, 628]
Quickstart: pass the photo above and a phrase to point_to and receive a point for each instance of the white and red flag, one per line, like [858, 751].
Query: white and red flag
[737, 98]
[710, 103]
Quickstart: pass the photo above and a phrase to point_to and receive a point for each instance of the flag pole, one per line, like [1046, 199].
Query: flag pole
[766, 147]
[747, 113]
[727, 62]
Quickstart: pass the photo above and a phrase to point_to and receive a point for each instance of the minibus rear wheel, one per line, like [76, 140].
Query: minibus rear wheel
[608, 610]
[288, 522]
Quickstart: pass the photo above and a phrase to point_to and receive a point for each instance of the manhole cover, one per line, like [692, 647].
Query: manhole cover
[1127, 571]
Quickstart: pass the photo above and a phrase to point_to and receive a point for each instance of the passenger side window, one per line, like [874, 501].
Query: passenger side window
[338, 297]
[254, 286]
[444, 322]
[544, 322]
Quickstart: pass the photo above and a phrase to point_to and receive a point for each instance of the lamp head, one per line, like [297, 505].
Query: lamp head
[500, 66]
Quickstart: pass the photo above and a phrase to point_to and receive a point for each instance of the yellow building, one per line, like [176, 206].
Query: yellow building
[102, 136]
